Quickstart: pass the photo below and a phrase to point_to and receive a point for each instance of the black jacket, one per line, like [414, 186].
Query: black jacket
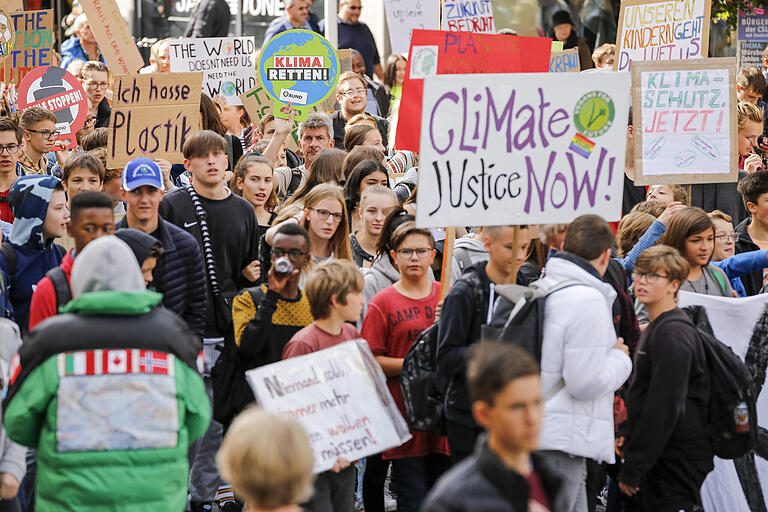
[210, 19]
[667, 399]
[753, 282]
[720, 196]
[179, 274]
[482, 483]
[102, 114]
[463, 314]
[339, 123]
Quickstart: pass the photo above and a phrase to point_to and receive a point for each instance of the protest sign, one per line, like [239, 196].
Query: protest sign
[298, 69]
[662, 30]
[742, 324]
[566, 61]
[500, 149]
[436, 52]
[684, 121]
[52, 88]
[340, 397]
[403, 16]
[7, 34]
[10, 6]
[152, 115]
[753, 38]
[33, 44]
[467, 16]
[227, 64]
[113, 35]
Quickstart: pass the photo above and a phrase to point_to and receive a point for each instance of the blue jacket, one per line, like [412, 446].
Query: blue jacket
[740, 264]
[29, 198]
[71, 50]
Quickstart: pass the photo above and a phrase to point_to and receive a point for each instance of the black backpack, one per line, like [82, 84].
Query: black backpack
[61, 287]
[732, 414]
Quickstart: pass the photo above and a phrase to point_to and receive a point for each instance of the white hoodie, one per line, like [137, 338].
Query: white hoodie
[578, 347]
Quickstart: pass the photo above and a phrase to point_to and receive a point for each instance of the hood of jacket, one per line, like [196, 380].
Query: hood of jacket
[106, 264]
[29, 198]
[382, 265]
[565, 266]
[471, 244]
[140, 242]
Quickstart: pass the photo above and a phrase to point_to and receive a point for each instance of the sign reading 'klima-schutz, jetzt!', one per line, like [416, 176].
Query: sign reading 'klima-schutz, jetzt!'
[298, 69]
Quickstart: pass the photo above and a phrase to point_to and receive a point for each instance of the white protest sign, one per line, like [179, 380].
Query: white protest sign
[468, 16]
[227, 63]
[403, 16]
[742, 324]
[340, 397]
[520, 148]
[685, 121]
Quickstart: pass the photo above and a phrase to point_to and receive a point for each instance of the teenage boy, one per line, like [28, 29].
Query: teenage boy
[10, 168]
[224, 225]
[352, 95]
[39, 126]
[467, 307]
[90, 217]
[335, 292]
[40, 208]
[752, 232]
[750, 88]
[82, 172]
[395, 318]
[179, 274]
[503, 473]
[667, 454]
[582, 362]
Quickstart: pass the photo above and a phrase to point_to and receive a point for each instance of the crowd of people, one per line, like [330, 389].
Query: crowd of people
[143, 294]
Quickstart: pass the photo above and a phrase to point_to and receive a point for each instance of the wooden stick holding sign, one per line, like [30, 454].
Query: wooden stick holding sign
[445, 276]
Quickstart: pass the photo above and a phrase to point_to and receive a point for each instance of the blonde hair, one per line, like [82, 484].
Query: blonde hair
[603, 51]
[334, 278]
[748, 113]
[653, 207]
[348, 76]
[376, 190]
[718, 215]
[339, 242]
[268, 459]
[363, 118]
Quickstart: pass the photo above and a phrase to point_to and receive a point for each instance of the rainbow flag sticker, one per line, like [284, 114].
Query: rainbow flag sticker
[582, 145]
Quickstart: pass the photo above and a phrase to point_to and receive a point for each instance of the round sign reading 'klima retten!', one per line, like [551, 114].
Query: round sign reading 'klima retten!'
[299, 68]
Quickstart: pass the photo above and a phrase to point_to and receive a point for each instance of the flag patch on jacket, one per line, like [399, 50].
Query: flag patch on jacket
[115, 362]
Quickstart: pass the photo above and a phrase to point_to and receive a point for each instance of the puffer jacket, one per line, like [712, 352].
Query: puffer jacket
[179, 274]
[578, 343]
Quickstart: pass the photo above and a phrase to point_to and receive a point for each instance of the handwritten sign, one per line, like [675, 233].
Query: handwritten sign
[403, 16]
[113, 35]
[227, 64]
[753, 38]
[566, 61]
[521, 149]
[662, 30]
[436, 52]
[7, 34]
[340, 397]
[33, 46]
[468, 16]
[685, 121]
[152, 116]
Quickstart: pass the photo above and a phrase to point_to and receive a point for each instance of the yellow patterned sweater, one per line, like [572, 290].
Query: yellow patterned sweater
[264, 322]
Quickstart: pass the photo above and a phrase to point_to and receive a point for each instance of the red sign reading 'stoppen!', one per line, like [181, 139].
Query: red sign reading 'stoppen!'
[435, 52]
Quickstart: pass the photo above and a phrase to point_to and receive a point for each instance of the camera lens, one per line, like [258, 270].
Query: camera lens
[283, 266]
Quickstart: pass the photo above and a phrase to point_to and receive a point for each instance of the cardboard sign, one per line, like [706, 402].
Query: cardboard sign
[7, 34]
[662, 30]
[566, 61]
[10, 6]
[340, 397]
[52, 88]
[753, 38]
[298, 69]
[404, 16]
[436, 52]
[684, 121]
[114, 36]
[468, 16]
[152, 116]
[227, 63]
[521, 149]
[33, 46]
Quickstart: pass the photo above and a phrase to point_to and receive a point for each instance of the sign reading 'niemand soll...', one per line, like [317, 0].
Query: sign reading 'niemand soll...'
[298, 68]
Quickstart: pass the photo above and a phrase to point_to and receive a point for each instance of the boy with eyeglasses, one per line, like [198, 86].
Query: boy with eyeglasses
[352, 95]
[39, 127]
[10, 168]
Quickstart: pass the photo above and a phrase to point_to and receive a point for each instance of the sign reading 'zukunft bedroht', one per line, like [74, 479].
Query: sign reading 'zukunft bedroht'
[298, 69]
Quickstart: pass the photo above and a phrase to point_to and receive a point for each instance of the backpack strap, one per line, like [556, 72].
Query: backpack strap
[61, 286]
[720, 278]
[11, 259]
[463, 259]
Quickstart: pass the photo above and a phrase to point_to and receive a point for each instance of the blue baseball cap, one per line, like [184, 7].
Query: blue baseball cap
[142, 171]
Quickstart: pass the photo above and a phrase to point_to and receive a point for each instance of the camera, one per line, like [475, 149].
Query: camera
[283, 266]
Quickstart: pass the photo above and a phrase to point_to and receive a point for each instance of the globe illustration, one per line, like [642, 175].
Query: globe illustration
[299, 43]
[228, 89]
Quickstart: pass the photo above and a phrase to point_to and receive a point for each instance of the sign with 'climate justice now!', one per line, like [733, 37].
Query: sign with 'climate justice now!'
[520, 149]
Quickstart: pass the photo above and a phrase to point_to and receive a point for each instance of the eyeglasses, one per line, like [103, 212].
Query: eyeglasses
[354, 7]
[420, 252]
[353, 92]
[648, 277]
[97, 85]
[728, 238]
[293, 254]
[48, 135]
[324, 214]
[10, 148]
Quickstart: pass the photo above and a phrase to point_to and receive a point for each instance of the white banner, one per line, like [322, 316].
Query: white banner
[468, 16]
[514, 148]
[340, 397]
[405, 15]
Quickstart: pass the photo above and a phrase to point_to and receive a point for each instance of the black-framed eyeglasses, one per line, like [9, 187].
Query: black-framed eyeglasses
[324, 214]
[11, 149]
[648, 277]
[292, 254]
[46, 134]
[728, 238]
[420, 253]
